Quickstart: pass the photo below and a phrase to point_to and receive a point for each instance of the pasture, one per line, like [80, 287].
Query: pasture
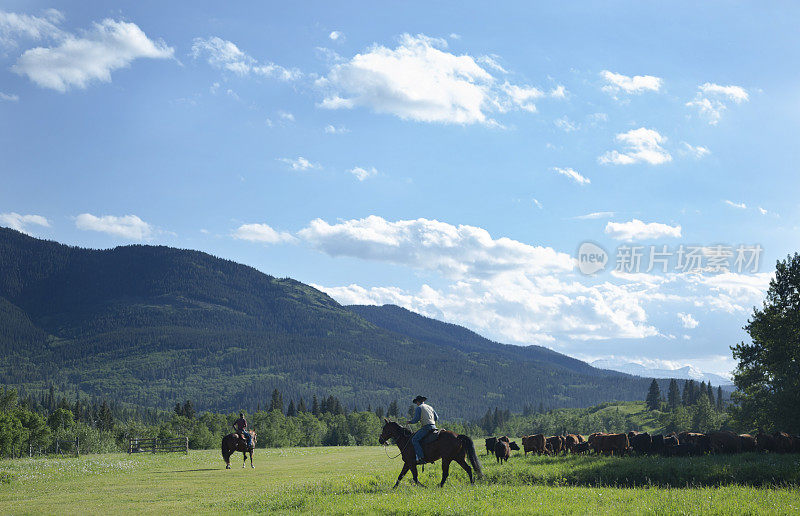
[359, 479]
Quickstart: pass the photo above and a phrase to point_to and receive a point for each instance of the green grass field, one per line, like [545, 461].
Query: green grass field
[359, 480]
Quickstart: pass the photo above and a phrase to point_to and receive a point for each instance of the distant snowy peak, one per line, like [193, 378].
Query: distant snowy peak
[683, 373]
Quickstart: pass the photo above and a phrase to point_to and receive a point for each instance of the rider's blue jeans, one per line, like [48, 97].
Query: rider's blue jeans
[419, 436]
[248, 438]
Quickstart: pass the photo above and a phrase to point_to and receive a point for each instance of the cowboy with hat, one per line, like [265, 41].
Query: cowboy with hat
[424, 414]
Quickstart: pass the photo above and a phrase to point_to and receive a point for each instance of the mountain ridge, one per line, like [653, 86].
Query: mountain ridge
[152, 325]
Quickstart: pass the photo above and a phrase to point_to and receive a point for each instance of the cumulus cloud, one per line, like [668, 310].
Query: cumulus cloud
[737, 205]
[712, 99]
[332, 129]
[22, 223]
[697, 152]
[16, 26]
[455, 251]
[78, 61]
[225, 55]
[638, 230]
[127, 226]
[261, 233]
[641, 146]
[336, 35]
[565, 124]
[688, 320]
[570, 173]
[8, 97]
[420, 80]
[300, 163]
[616, 83]
[363, 173]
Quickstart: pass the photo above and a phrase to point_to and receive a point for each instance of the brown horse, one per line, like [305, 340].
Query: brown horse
[234, 443]
[448, 447]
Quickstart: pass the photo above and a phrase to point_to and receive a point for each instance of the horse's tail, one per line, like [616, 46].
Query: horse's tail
[226, 451]
[469, 446]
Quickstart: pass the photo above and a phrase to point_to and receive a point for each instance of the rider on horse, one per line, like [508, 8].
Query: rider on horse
[239, 426]
[424, 414]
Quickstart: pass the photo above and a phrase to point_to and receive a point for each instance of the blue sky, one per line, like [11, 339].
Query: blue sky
[444, 157]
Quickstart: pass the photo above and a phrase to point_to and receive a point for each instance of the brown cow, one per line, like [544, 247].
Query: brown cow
[702, 442]
[490, 442]
[535, 444]
[505, 439]
[556, 442]
[724, 441]
[570, 441]
[766, 442]
[501, 451]
[783, 442]
[609, 443]
[748, 443]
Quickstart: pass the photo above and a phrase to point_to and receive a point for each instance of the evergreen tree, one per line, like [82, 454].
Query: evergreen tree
[290, 411]
[710, 393]
[653, 399]
[673, 395]
[767, 376]
[277, 401]
[105, 421]
[379, 412]
[301, 407]
[315, 406]
[720, 403]
[188, 409]
[392, 410]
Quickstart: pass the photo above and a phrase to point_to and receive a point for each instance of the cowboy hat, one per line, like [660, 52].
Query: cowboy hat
[419, 399]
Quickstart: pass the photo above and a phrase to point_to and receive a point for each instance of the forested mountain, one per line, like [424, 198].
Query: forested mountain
[153, 325]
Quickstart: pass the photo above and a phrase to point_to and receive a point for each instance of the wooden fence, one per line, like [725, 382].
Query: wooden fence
[59, 447]
[155, 445]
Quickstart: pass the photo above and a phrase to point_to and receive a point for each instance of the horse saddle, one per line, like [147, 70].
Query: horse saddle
[431, 437]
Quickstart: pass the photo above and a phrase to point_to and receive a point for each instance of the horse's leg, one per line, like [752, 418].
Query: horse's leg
[251, 459]
[463, 463]
[402, 474]
[244, 458]
[414, 474]
[445, 470]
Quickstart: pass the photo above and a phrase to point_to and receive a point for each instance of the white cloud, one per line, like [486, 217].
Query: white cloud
[570, 173]
[559, 92]
[696, 151]
[453, 35]
[22, 223]
[737, 205]
[616, 83]
[688, 320]
[78, 61]
[712, 99]
[300, 163]
[14, 26]
[492, 63]
[225, 55]
[8, 97]
[455, 251]
[127, 226]
[331, 129]
[363, 173]
[286, 116]
[595, 215]
[261, 233]
[537, 204]
[638, 230]
[641, 146]
[565, 124]
[336, 35]
[762, 210]
[420, 80]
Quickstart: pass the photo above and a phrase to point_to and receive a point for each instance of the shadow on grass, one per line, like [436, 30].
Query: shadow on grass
[750, 469]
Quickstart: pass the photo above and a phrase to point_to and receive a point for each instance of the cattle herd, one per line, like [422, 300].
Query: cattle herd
[642, 443]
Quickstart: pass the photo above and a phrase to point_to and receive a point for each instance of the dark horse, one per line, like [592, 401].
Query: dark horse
[232, 443]
[448, 447]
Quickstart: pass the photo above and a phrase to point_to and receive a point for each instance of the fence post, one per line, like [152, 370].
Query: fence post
[76, 446]
[30, 450]
[57, 448]
[187, 445]
[154, 444]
